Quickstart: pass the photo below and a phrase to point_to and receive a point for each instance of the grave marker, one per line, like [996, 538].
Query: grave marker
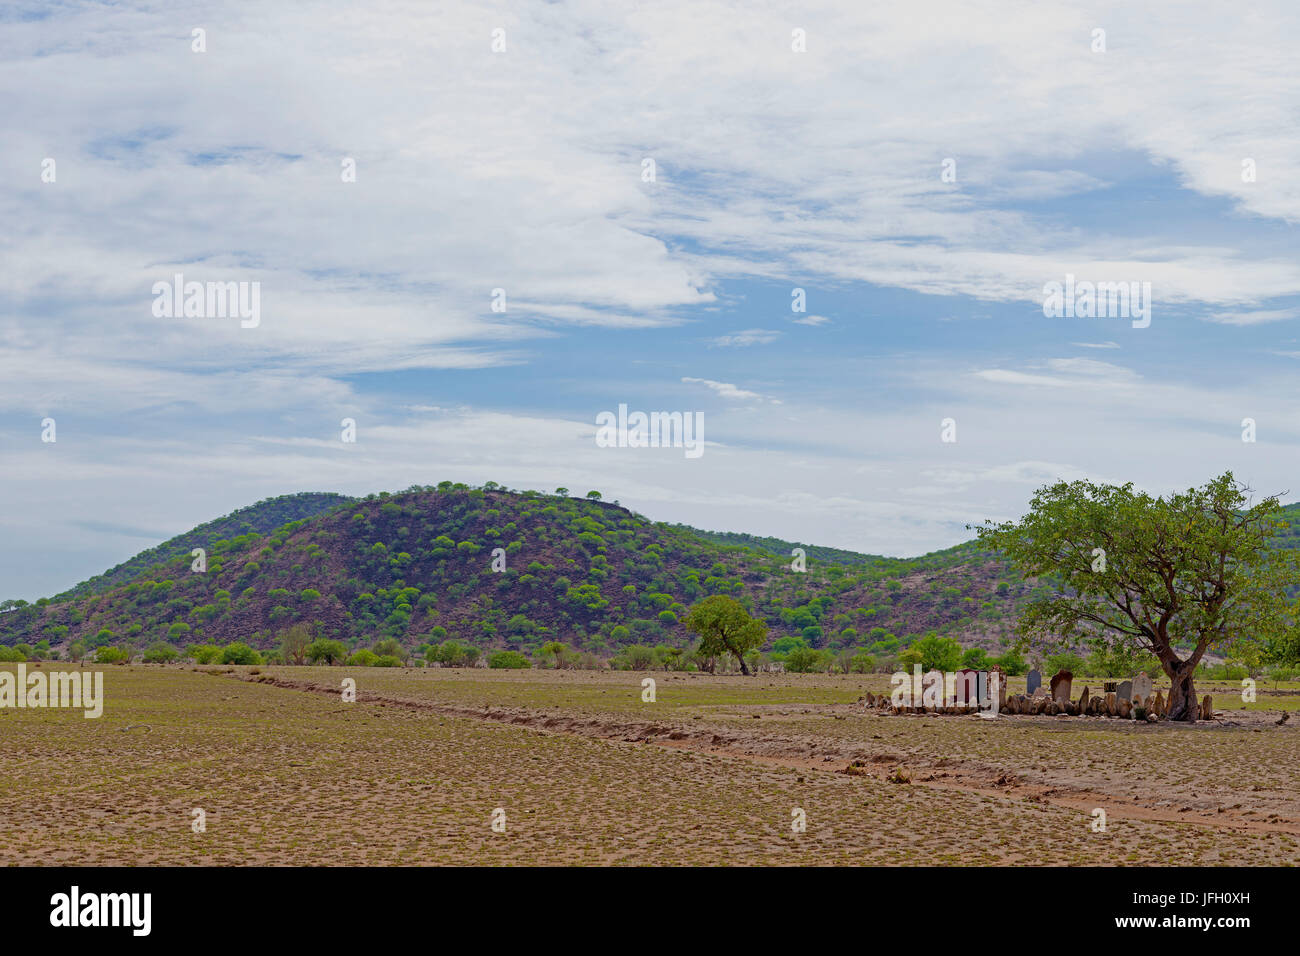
[1142, 685]
[1061, 687]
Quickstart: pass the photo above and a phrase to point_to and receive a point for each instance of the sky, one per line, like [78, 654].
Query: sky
[920, 171]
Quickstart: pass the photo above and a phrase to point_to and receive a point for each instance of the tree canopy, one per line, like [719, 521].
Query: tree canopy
[1185, 573]
[725, 627]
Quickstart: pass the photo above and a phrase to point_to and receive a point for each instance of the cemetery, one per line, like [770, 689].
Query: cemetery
[985, 693]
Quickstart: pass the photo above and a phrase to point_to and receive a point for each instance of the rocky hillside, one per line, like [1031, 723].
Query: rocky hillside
[508, 569]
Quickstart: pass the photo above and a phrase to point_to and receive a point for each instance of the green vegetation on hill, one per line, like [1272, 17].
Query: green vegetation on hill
[419, 567]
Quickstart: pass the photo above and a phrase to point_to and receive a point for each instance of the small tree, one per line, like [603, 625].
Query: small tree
[1192, 569]
[294, 643]
[938, 653]
[329, 651]
[725, 627]
[594, 495]
[555, 649]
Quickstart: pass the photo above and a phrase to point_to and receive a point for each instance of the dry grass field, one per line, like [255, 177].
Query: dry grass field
[588, 773]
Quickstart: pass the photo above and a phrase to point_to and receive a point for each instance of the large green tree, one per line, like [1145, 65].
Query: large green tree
[725, 627]
[1180, 574]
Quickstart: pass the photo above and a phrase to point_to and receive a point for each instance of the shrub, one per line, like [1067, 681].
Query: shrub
[160, 652]
[862, 663]
[111, 655]
[634, 657]
[1064, 661]
[1012, 663]
[205, 653]
[511, 660]
[804, 660]
[452, 654]
[239, 653]
[363, 658]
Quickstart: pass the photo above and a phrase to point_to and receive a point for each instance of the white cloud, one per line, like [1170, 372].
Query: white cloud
[1254, 317]
[725, 390]
[746, 338]
[522, 171]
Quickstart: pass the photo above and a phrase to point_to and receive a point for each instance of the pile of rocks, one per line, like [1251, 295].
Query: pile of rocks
[1130, 700]
[884, 704]
[1150, 708]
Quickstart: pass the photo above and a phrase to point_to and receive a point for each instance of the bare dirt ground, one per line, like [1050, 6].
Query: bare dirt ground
[714, 771]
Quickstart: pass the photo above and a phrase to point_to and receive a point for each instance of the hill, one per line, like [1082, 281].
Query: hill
[419, 566]
[261, 518]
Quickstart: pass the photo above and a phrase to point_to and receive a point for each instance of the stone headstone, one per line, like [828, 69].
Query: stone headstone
[1033, 681]
[1207, 708]
[1142, 686]
[1061, 686]
[1125, 691]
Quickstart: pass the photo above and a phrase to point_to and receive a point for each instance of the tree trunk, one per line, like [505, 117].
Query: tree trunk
[1182, 694]
[743, 669]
